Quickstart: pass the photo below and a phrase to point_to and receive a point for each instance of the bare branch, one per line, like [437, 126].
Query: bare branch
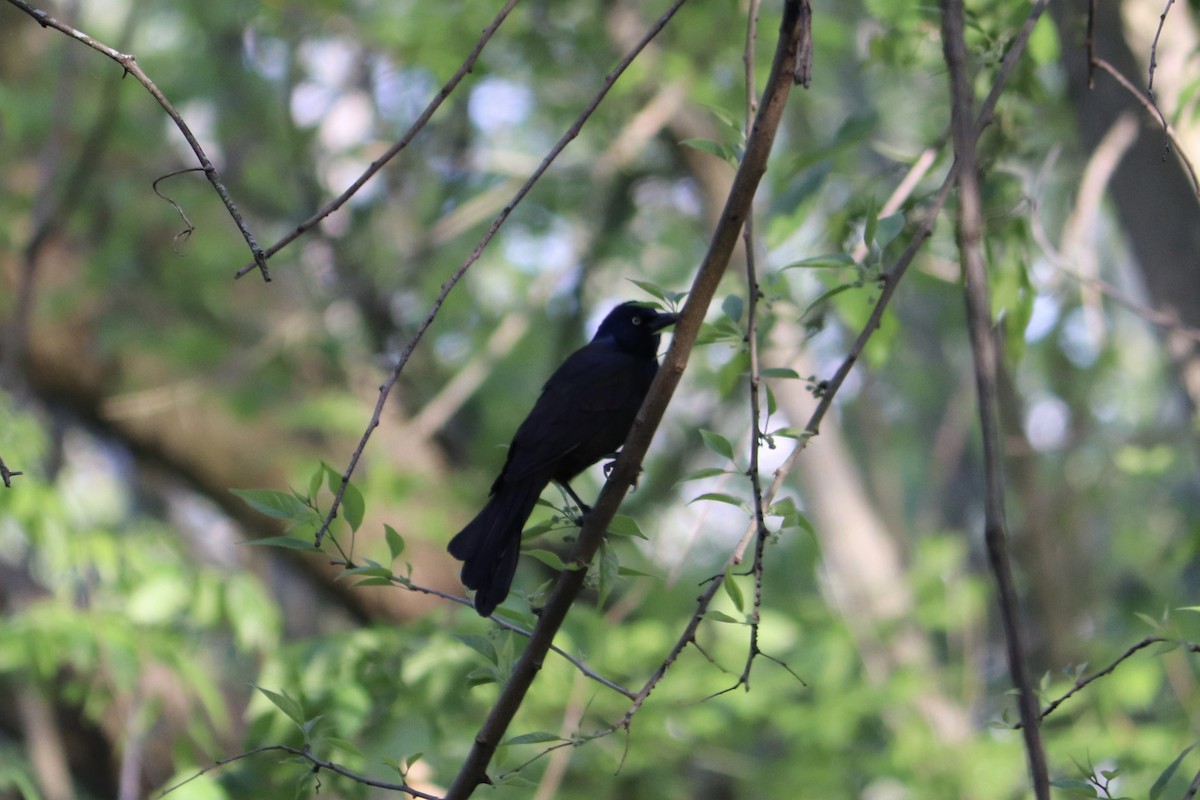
[317, 765]
[753, 295]
[7, 474]
[583, 668]
[129, 63]
[986, 357]
[394, 150]
[1152, 108]
[1083, 682]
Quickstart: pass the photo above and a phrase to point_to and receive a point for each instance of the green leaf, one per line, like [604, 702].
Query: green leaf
[1075, 787]
[733, 591]
[707, 472]
[547, 557]
[536, 737]
[778, 372]
[717, 443]
[872, 223]
[630, 572]
[721, 151]
[375, 582]
[651, 289]
[1149, 620]
[273, 503]
[623, 525]
[286, 704]
[727, 118]
[289, 542]
[534, 531]
[792, 517]
[719, 497]
[607, 573]
[353, 506]
[888, 229]
[827, 261]
[721, 616]
[1165, 777]
[825, 298]
[732, 306]
[395, 541]
[719, 330]
[314, 483]
[480, 644]
[791, 433]
[333, 478]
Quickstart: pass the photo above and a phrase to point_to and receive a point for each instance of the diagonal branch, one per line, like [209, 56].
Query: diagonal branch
[318, 764]
[129, 63]
[403, 142]
[985, 349]
[725, 238]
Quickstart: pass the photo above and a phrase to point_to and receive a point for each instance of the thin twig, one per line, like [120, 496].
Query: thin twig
[317, 765]
[386, 388]
[1162, 20]
[986, 358]
[7, 475]
[401, 143]
[1108, 671]
[753, 295]
[1091, 43]
[129, 63]
[583, 668]
[1152, 108]
[1192, 788]
[188, 227]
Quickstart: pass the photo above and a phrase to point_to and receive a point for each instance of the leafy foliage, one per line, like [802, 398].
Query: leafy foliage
[153, 383]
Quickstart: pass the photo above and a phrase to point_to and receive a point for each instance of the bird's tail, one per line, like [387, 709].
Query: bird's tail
[488, 546]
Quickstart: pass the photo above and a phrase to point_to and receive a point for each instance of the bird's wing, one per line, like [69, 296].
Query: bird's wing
[584, 412]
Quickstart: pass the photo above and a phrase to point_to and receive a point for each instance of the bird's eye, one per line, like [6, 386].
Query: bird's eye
[637, 320]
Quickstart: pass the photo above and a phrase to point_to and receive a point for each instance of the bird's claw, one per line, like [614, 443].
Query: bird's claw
[608, 468]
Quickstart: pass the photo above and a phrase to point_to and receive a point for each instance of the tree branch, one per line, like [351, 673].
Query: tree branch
[317, 765]
[985, 349]
[129, 63]
[394, 150]
[1151, 107]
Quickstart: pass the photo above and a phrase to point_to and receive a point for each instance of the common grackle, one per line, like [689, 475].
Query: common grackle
[584, 413]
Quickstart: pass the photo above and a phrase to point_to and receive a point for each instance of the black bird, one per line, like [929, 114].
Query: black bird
[584, 413]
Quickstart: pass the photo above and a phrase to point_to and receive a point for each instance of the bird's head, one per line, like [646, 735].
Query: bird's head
[634, 328]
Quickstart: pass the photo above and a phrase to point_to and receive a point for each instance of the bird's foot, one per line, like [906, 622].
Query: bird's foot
[608, 468]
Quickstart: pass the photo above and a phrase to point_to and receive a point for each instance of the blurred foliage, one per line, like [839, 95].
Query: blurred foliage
[132, 609]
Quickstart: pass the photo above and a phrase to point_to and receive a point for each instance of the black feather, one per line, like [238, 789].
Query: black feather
[583, 414]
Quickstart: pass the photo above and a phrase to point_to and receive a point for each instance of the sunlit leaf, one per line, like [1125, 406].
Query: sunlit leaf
[286, 704]
[274, 503]
[353, 506]
[717, 443]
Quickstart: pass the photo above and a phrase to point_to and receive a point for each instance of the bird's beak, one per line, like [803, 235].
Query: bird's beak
[663, 320]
